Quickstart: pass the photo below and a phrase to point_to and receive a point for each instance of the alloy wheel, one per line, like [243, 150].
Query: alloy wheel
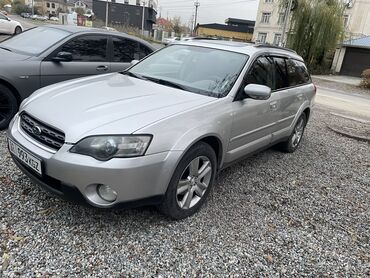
[298, 133]
[194, 182]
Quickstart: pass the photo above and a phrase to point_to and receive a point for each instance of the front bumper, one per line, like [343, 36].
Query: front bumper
[73, 176]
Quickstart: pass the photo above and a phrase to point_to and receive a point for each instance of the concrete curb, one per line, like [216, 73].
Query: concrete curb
[348, 135]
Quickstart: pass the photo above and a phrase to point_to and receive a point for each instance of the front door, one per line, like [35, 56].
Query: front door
[254, 121]
[89, 57]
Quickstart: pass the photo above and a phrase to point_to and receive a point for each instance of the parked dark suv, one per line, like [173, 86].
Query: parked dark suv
[49, 54]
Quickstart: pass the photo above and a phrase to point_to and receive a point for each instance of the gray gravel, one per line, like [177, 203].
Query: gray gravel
[273, 215]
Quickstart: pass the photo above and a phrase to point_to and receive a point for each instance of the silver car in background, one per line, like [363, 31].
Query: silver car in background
[49, 54]
[158, 132]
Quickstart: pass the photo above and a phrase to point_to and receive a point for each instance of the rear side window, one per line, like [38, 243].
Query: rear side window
[261, 72]
[87, 48]
[126, 50]
[297, 73]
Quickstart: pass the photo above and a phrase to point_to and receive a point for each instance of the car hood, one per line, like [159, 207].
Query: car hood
[107, 104]
[6, 55]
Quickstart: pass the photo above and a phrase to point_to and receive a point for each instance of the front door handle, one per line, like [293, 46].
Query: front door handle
[102, 68]
[273, 105]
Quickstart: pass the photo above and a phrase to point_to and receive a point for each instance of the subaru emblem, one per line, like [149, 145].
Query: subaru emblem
[36, 130]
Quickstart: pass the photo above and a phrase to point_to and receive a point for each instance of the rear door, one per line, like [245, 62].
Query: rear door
[89, 57]
[124, 51]
[292, 85]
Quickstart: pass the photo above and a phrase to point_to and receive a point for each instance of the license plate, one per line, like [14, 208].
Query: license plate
[26, 157]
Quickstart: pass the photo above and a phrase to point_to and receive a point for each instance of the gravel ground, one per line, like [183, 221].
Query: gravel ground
[273, 215]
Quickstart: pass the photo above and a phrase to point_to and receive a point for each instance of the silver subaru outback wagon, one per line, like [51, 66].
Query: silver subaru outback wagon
[157, 133]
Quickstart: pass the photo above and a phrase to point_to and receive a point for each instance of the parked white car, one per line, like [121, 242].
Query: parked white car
[9, 26]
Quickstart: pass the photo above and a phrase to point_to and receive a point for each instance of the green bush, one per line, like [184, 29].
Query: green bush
[365, 79]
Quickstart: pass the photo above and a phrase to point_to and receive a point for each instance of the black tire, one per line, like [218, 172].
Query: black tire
[8, 106]
[290, 145]
[170, 205]
[17, 30]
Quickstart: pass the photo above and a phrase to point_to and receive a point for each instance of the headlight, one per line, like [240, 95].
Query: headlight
[106, 147]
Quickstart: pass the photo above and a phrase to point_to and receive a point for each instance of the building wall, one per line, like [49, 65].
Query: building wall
[358, 20]
[273, 27]
[125, 14]
[202, 31]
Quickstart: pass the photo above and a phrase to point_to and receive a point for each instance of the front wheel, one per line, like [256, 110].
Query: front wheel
[8, 106]
[191, 182]
[295, 138]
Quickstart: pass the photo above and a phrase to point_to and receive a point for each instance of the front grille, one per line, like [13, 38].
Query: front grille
[41, 132]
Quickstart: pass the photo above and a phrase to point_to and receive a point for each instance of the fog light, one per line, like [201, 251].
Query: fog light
[106, 193]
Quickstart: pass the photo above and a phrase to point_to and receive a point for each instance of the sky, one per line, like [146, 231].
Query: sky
[209, 11]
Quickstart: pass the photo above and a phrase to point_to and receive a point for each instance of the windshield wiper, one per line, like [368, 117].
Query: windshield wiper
[129, 73]
[7, 49]
[167, 83]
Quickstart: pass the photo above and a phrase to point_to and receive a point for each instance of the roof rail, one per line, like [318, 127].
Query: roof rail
[274, 46]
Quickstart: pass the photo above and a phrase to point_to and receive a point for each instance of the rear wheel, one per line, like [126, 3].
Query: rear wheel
[295, 138]
[17, 30]
[8, 106]
[191, 182]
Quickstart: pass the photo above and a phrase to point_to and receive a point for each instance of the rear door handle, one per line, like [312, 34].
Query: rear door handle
[102, 68]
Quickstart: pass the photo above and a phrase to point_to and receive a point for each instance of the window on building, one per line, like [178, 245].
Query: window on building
[262, 37]
[281, 18]
[346, 20]
[269, 1]
[277, 39]
[265, 18]
[53, 5]
[138, 2]
[48, 5]
[87, 48]
[126, 2]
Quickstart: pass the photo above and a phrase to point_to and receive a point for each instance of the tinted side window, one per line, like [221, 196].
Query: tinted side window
[303, 72]
[126, 50]
[261, 72]
[87, 48]
[2, 17]
[297, 73]
[281, 76]
[144, 51]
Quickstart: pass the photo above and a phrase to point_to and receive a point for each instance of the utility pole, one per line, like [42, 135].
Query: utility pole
[143, 21]
[196, 4]
[106, 14]
[33, 8]
[286, 18]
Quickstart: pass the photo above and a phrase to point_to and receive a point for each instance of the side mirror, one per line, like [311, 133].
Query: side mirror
[134, 62]
[258, 92]
[63, 57]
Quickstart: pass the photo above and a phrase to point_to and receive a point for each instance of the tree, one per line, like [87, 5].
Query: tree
[316, 27]
[177, 28]
[80, 11]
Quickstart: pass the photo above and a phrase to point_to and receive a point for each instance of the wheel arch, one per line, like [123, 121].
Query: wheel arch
[12, 88]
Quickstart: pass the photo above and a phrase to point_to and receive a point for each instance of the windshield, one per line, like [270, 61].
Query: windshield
[34, 41]
[196, 69]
